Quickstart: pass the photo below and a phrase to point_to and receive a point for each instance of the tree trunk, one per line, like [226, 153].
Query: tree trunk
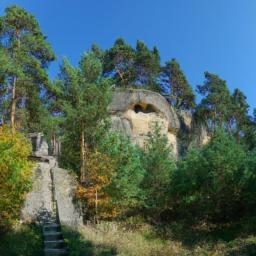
[82, 153]
[96, 206]
[120, 74]
[54, 144]
[237, 137]
[14, 98]
[214, 120]
[13, 105]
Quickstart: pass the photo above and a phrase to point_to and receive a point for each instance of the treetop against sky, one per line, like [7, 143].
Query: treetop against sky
[216, 36]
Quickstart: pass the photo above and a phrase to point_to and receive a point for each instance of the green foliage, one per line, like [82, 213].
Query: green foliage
[248, 181]
[214, 107]
[15, 175]
[28, 56]
[249, 132]
[159, 165]
[182, 95]
[120, 60]
[208, 182]
[24, 240]
[83, 99]
[131, 67]
[128, 172]
[147, 66]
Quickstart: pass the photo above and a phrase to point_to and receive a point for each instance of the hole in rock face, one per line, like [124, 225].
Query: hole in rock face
[144, 108]
[138, 108]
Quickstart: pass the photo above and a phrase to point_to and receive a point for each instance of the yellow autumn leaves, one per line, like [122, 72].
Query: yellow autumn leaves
[97, 177]
[15, 175]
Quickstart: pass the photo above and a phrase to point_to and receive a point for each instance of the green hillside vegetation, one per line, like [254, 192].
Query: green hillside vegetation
[147, 203]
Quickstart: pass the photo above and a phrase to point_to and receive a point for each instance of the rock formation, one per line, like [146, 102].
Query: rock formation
[136, 112]
[50, 185]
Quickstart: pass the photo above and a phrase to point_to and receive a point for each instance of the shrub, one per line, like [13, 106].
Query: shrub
[15, 172]
[208, 182]
[159, 165]
[128, 172]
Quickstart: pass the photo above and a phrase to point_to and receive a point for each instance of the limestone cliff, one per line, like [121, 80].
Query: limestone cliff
[135, 113]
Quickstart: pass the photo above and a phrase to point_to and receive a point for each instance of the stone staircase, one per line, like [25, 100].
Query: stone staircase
[51, 185]
[54, 243]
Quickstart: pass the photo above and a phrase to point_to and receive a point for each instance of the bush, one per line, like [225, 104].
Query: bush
[248, 184]
[128, 173]
[24, 240]
[208, 183]
[159, 165]
[15, 172]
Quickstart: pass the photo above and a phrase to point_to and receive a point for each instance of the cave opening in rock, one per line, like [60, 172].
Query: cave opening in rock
[144, 108]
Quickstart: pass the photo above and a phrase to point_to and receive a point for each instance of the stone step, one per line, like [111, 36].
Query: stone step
[58, 244]
[52, 236]
[52, 227]
[47, 223]
[52, 252]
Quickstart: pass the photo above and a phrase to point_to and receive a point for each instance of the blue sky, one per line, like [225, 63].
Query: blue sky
[217, 36]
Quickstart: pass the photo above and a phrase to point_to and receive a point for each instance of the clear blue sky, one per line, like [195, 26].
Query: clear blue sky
[214, 35]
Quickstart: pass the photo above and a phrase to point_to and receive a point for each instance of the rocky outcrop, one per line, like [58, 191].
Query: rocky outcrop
[52, 186]
[65, 184]
[39, 144]
[148, 101]
[40, 201]
[136, 112]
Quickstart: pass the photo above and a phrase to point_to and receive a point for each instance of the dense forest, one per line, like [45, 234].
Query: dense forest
[212, 185]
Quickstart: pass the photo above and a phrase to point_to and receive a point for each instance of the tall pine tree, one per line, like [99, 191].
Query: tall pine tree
[216, 102]
[182, 95]
[147, 66]
[119, 62]
[29, 56]
[83, 98]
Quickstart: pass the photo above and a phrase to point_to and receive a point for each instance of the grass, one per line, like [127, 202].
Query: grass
[22, 240]
[130, 239]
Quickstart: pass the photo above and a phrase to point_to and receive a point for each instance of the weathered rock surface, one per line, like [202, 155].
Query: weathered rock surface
[40, 201]
[136, 112]
[65, 185]
[128, 99]
[51, 184]
[39, 144]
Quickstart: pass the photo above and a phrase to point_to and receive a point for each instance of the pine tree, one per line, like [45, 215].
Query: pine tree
[29, 55]
[98, 52]
[238, 113]
[147, 66]
[216, 102]
[182, 95]
[119, 62]
[84, 99]
[159, 165]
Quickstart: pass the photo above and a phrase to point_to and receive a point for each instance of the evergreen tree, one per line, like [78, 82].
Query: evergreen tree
[29, 55]
[119, 63]
[147, 66]
[3, 90]
[84, 98]
[182, 95]
[216, 102]
[238, 113]
[249, 132]
[127, 173]
[159, 165]
[99, 53]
